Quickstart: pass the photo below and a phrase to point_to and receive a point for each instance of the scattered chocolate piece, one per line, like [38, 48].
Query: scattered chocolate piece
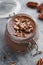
[4, 57]
[40, 52]
[12, 63]
[40, 16]
[32, 4]
[40, 8]
[40, 61]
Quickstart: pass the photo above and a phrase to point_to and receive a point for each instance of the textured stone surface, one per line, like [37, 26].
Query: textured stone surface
[21, 59]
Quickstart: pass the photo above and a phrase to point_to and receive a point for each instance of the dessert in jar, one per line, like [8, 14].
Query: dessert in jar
[21, 30]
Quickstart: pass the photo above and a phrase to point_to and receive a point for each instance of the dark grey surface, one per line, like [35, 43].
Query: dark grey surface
[25, 59]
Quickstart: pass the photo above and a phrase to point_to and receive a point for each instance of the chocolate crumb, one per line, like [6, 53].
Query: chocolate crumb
[12, 63]
[3, 57]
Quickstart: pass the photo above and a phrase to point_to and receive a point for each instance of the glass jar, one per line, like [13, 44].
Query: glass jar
[20, 44]
[9, 8]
